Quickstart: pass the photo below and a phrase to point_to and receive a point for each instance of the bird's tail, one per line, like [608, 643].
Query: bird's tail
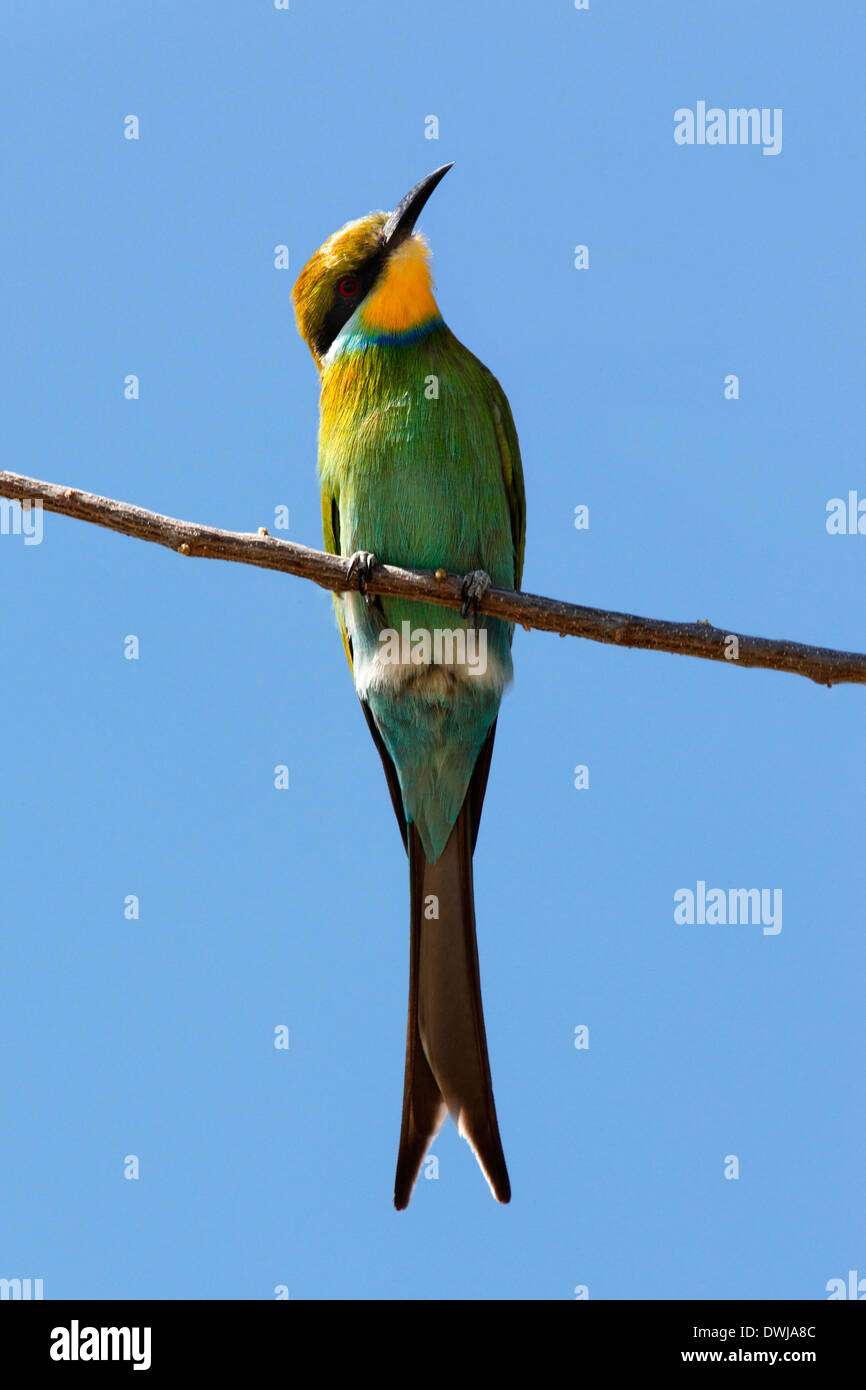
[447, 1067]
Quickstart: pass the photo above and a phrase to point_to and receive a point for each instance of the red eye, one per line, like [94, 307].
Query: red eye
[348, 286]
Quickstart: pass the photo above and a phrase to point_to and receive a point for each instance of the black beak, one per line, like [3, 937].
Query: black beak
[402, 220]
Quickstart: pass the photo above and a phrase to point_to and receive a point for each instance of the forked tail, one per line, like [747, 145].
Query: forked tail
[447, 1067]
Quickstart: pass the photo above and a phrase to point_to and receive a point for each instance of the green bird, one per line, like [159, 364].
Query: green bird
[420, 467]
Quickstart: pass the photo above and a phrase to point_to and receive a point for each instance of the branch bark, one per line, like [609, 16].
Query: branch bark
[700, 639]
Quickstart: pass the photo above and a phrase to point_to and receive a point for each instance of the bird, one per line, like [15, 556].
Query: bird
[419, 466]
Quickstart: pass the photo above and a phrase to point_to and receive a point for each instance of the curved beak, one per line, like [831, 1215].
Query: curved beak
[402, 221]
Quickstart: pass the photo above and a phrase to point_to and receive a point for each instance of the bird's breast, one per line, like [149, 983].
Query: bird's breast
[408, 449]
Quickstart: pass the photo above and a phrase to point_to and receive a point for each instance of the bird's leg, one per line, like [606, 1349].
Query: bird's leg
[364, 563]
[474, 587]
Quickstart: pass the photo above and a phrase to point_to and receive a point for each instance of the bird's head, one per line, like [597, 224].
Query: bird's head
[379, 265]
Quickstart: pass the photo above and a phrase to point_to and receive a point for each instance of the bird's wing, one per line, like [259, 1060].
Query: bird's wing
[331, 533]
[512, 470]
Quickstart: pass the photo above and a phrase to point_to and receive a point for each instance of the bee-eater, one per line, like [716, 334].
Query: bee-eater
[420, 467]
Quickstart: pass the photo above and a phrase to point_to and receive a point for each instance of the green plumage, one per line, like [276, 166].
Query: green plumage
[417, 458]
[420, 467]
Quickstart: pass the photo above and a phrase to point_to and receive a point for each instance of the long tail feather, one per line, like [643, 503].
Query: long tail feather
[447, 1067]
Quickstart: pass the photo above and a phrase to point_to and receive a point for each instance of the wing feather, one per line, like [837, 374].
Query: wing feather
[512, 470]
[331, 534]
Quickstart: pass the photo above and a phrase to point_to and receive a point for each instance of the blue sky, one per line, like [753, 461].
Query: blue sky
[258, 907]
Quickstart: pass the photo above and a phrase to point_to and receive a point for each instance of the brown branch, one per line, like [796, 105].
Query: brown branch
[820, 664]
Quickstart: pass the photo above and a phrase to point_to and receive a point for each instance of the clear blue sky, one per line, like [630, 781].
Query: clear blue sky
[154, 777]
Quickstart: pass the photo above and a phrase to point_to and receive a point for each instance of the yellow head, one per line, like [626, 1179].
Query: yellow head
[377, 267]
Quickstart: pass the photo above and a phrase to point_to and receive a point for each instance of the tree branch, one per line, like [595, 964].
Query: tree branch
[820, 664]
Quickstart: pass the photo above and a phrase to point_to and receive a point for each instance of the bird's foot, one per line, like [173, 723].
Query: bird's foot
[474, 587]
[363, 563]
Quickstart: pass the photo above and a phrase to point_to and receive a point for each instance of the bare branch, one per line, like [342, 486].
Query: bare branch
[820, 664]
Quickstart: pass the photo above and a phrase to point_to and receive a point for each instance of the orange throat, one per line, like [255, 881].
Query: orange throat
[403, 299]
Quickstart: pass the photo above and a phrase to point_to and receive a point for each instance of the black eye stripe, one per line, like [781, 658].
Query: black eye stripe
[345, 300]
